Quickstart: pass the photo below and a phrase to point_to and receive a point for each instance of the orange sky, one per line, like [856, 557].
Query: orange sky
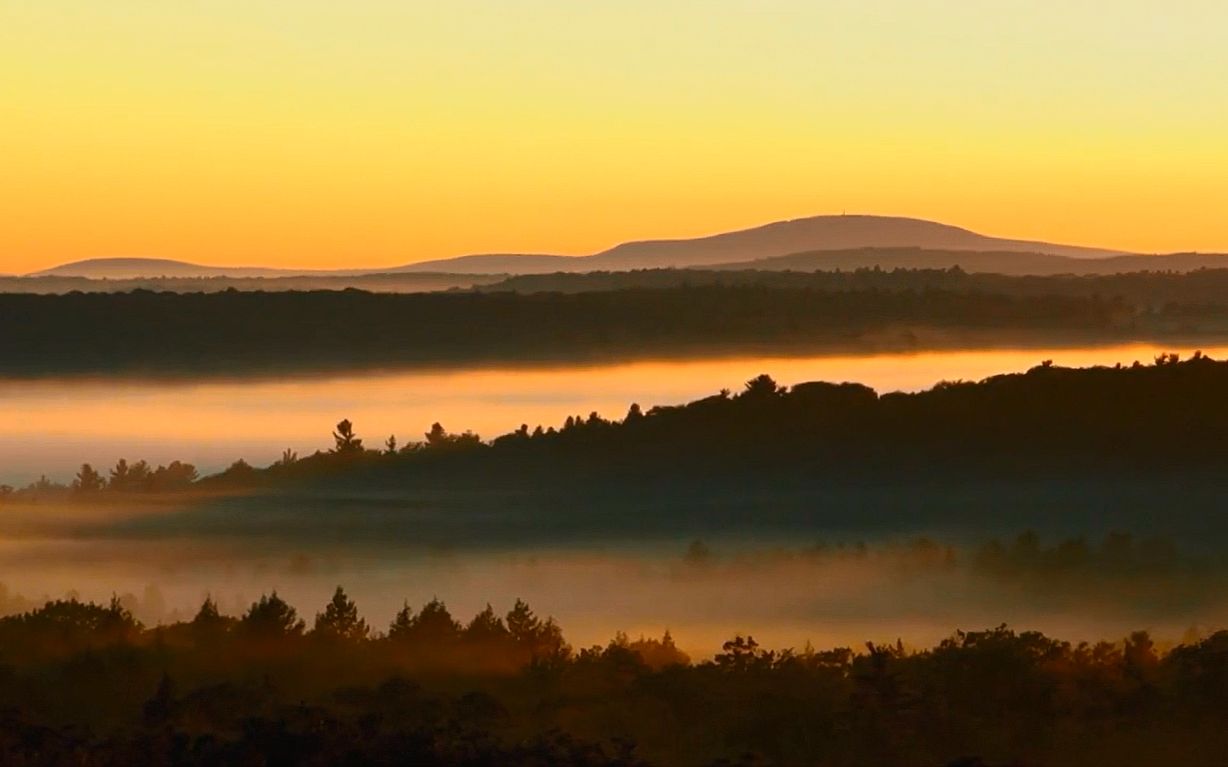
[376, 132]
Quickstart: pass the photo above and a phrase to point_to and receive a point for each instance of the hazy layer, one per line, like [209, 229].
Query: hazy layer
[53, 426]
[784, 594]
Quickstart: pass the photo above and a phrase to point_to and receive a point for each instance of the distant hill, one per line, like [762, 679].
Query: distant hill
[783, 238]
[131, 268]
[996, 262]
[818, 233]
[493, 263]
[821, 233]
[138, 268]
[1168, 262]
[159, 268]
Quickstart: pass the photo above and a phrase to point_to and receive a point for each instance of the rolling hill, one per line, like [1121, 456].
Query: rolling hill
[782, 238]
[133, 268]
[497, 263]
[821, 233]
[817, 233]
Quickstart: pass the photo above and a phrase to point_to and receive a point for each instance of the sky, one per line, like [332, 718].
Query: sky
[315, 133]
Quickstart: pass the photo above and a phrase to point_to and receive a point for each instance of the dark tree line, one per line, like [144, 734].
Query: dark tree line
[124, 478]
[88, 684]
[1150, 418]
[233, 332]
[1137, 420]
[396, 283]
[1155, 290]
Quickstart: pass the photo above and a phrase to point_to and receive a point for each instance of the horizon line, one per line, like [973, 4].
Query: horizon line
[633, 241]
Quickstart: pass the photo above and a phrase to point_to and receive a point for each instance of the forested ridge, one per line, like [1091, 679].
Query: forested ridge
[1149, 418]
[88, 684]
[375, 282]
[1057, 449]
[231, 332]
[1153, 289]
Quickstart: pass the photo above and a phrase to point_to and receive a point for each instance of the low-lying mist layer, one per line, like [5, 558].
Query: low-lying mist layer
[911, 589]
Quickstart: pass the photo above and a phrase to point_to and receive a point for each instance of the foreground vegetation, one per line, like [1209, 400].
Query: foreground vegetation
[87, 684]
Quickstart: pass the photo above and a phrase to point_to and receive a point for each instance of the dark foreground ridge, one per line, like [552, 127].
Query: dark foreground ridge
[87, 684]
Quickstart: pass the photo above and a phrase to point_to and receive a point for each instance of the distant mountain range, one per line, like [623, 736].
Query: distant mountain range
[818, 233]
[819, 242]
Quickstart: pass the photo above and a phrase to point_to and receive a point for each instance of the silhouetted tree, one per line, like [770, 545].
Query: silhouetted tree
[174, 476]
[432, 625]
[238, 474]
[762, 387]
[522, 623]
[119, 475]
[402, 624]
[742, 654]
[486, 627]
[209, 622]
[659, 653]
[541, 640]
[346, 442]
[88, 480]
[438, 439]
[271, 618]
[437, 436]
[130, 478]
[340, 620]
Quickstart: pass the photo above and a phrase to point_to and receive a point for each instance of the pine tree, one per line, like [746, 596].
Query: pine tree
[345, 439]
[88, 480]
[402, 625]
[340, 620]
[486, 626]
[271, 618]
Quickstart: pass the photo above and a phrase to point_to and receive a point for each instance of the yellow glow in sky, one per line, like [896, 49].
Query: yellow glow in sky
[314, 133]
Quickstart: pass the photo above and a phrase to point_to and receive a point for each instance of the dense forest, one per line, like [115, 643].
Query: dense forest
[1145, 290]
[993, 262]
[235, 332]
[87, 684]
[1067, 444]
[404, 282]
[785, 271]
[1162, 415]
